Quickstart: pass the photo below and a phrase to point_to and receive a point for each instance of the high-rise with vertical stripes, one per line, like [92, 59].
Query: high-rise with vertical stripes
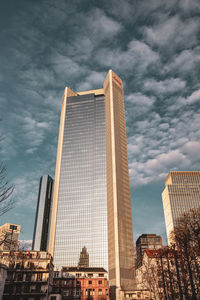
[181, 193]
[91, 201]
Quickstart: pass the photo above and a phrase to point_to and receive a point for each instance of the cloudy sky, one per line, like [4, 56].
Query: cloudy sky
[153, 45]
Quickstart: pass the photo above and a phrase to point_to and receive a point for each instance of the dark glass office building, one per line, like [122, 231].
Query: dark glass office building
[43, 214]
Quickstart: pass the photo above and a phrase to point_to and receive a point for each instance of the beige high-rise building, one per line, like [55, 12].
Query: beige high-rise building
[91, 200]
[181, 193]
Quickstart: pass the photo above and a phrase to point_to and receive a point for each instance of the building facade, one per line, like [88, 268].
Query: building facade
[65, 287]
[43, 214]
[9, 237]
[150, 241]
[143, 294]
[91, 199]
[29, 275]
[93, 282]
[181, 193]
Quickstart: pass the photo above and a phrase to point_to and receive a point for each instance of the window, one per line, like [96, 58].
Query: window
[100, 282]
[56, 275]
[7, 289]
[39, 276]
[28, 277]
[100, 291]
[101, 275]
[18, 289]
[26, 289]
[20, 277]
[13, 227]
[90, 282]
[90, 292]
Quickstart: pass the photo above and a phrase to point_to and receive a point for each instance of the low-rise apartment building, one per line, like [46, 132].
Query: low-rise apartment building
[29, 275]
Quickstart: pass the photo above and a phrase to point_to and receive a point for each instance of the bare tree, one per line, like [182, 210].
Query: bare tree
[186, 239]
[6, 189]
[9, 243]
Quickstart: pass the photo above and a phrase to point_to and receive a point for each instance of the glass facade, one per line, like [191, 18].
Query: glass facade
[82, 201]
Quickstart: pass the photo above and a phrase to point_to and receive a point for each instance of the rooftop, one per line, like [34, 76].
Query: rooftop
[84, 269]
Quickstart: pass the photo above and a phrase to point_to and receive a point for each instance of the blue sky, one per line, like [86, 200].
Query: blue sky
[153, 45]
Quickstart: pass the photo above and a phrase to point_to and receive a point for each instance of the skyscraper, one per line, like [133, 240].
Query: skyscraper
[84, 258]
[91, 200]
[43, 214]
[181, 193]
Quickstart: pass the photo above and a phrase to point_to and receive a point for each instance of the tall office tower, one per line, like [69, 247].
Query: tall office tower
[150, 241]
[9, 237]
[181, 193]
[84, 258]
[43, 214]
[91, 200]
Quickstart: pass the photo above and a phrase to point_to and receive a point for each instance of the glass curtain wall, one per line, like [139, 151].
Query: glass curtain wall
[82, 202]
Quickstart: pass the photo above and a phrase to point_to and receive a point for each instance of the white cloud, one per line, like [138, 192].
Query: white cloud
[93, 81]
[80, 48]
[140, 99]
[177, 143]
[194, 97]
[37, 78]
[138, 104]
[164, 126]
[133, 149]
[192, 149]
[31, 150]
[184, 62]
[149, 124]
[156, 169]
[66, 67]
[189, 6]
[26, 190]
[171, 85]
[176, 104]
[100, 25]
[138, 56]
[34, 131]
[43, 125]
[173, 32]
[158, 144]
